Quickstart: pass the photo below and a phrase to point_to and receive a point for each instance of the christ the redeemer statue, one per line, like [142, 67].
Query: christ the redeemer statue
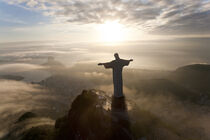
[117, 67]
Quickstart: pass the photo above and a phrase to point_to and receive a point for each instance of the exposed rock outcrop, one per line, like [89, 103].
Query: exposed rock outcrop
[90, 118]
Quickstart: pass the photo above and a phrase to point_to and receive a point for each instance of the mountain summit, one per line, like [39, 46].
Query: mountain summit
[94, 115]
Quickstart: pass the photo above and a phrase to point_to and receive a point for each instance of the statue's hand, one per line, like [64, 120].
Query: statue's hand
[131, 59]
[100, 64]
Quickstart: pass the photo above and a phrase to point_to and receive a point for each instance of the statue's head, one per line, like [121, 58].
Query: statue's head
[116, 55]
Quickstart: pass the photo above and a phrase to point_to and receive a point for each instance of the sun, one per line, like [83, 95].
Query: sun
[111, 31]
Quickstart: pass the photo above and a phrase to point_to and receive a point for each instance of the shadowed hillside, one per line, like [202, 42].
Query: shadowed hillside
[195, 77]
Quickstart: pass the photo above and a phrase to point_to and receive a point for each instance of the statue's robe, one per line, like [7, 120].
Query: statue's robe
[117, 67]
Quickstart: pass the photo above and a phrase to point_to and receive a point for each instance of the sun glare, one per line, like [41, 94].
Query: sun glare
[111, 31]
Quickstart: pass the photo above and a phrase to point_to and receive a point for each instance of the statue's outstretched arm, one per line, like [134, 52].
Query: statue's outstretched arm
[127, 62]
[100, 64]
[106, 65]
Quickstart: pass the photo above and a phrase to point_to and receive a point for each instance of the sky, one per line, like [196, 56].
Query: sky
[103, 20]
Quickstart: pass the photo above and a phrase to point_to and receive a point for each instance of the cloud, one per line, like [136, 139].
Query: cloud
[32, 3]
[164, 54]
[15, 68]
[30, 72]
[16, 97]
[195, 23]
[155, 16]
[19, 97]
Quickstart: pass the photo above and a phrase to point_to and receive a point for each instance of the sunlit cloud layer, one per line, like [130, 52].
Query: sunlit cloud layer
[154, 16]
[168, 54]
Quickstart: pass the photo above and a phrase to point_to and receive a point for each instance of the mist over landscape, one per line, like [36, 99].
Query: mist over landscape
[104, 69]
[46, 77]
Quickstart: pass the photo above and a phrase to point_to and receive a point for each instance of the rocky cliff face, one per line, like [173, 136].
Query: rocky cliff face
[93, 115]
[90, 118]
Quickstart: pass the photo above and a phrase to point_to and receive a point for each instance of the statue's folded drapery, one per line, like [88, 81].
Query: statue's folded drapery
[117, 66]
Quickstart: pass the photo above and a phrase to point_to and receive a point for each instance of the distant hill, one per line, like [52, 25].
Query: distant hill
[195, 67]
[53, 63]
[195, 77]
[11, 77]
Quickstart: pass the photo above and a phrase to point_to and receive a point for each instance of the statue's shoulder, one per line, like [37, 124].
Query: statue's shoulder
[123, 60]
[113, 61]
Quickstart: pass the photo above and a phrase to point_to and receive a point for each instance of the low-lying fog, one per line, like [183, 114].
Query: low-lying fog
[75, 68]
